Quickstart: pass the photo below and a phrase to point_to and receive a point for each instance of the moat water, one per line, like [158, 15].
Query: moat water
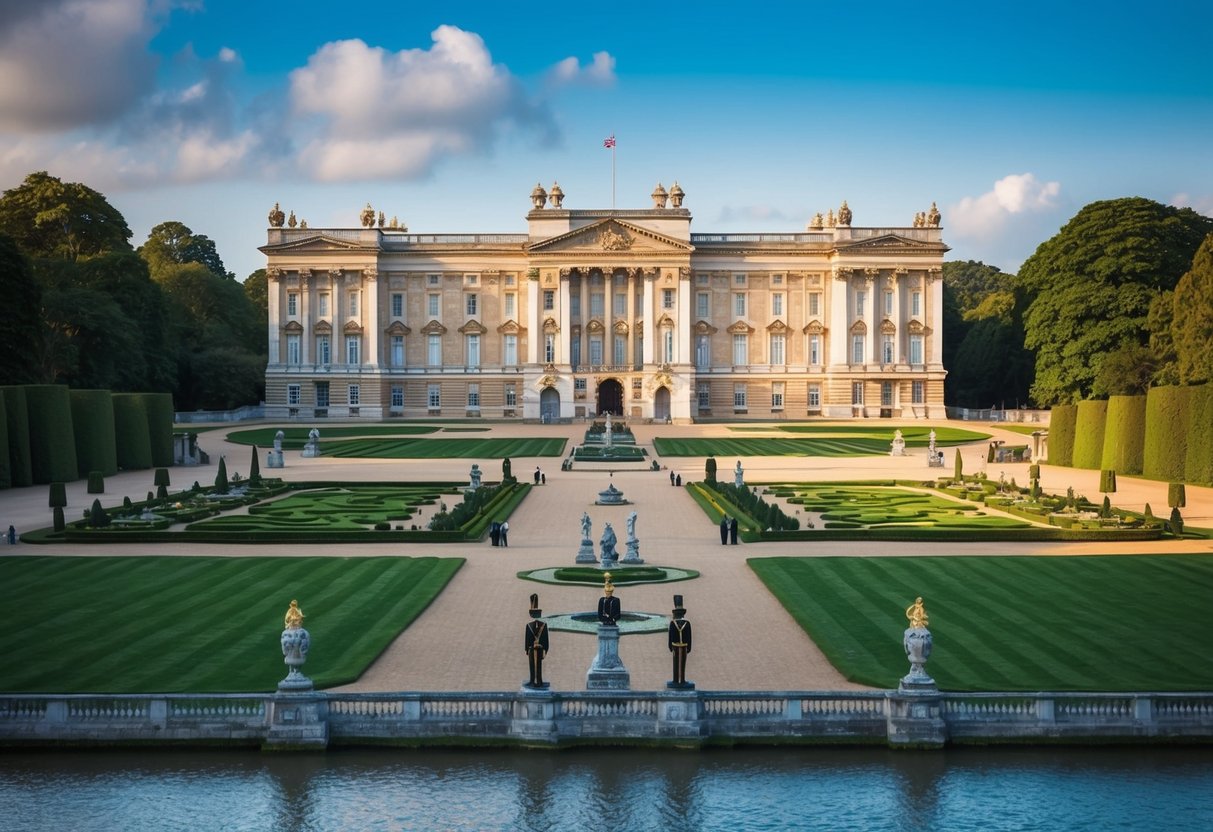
[751, 789]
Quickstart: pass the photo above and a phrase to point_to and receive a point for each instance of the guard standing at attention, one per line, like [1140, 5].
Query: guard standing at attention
[680, 645]
[535, 642]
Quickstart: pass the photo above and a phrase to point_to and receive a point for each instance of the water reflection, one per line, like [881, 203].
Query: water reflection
[736, 789]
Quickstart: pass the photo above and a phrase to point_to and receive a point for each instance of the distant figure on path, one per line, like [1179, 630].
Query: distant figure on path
[12, 536]
[505, 531]
[733, 530]
[724, 530]
[671, 478]
[678, 480]
[495, 533]
[536, 475]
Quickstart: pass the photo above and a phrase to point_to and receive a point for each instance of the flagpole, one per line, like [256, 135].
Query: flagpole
[612, 176]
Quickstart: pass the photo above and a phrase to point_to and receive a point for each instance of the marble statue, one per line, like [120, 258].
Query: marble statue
[295, 644]
[278, 437]
[607, 542]
[632, 526]
[738, 475]
[585, 526]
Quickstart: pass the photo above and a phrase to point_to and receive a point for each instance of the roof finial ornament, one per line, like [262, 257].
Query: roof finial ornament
[676, 195]
[277, 218]
[659, 196]
[556, 195]
[539, 197]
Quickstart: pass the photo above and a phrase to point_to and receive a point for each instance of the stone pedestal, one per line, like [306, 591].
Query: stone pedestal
[534, 716]
[632, 556]
[298, 721]
[915, 720]
[607, 671]
[679, 715]
[273, 459]
[586, 553]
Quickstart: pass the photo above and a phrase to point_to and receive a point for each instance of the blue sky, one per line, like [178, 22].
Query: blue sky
[1010, 116]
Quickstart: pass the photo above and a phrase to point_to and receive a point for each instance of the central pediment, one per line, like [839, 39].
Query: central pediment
[318, 242]
[891, 243]
[612, 236]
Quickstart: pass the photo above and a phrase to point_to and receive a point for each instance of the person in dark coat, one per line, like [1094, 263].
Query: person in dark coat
[505, 534]
[678, 480]
[733, 531]
[495, 533]
[724, 530]
[679, 642]
[535, 643]
[536, 475]
[671, 478]
[608, 604]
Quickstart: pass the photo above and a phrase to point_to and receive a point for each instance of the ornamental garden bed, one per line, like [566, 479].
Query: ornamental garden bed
[821, 440]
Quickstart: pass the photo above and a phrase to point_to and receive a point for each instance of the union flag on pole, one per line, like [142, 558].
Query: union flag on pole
[609, 141]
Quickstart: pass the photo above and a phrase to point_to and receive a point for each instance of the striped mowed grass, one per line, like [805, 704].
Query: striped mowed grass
[201, 624]
[1097, 623]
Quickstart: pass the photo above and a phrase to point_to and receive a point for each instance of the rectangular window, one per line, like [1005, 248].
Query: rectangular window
[549, 300]
[596, 304]
[857, 349]
[292, 303]
[739, 305]
[511, 395]
[353, 304]
[322, 305]
[575, 304]
[596, 350]
[703, 395]
[433, 396]
[433, 305]
[703, 352]
[886, 394]
[815, 350]
[397, 305]
[433, 350]
[549, 348]
[888, 304]
[667, 298]
[510, 301]
[886, 350]
[434, 279]
[471, 279]
[621, 304]
[916, 304]
[355, 393]
[739, 279]
[776, 280]
[777, 395]
[397, 350]
[575, 352]
[473, 350]
[293, 393]
[702, 301]
[474, 396]
[918, 392]
[353, 349]
[777, 304]
[777, 351]
[397, 396]
[470, 305]
[620, 351]
[814, 397]
[667, 340]
[324, 350]
[637, 388]
[293, 349]
[915, 349]
[740, 396]
[857, 392]
[510, 350]
[741, 350]
[861, 300]
[701, 278]
[509, 280]
[322, 394]
[578, 385]
[814, 304]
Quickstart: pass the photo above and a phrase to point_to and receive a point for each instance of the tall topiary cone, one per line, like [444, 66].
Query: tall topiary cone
[1177, 496]
[97, 518]
[254, 469]
[507, 471]
[221, 477]
[959, 472]
[161, 481]
[709, 471]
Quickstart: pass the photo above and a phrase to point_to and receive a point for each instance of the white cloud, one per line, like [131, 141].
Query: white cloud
[600, 72]
[377, 112]
[68, 63]
[1201, 204]
[985, 215]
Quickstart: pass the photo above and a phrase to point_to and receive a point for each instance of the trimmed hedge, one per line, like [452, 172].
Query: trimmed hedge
[19, 465]
[6, 479]
[1089, 433]
[160, 427]
[1198, 465]
[93, 421]
[1062, 421]
[1165, 451]
[131, 438]
[1124, 434]
[52, 440]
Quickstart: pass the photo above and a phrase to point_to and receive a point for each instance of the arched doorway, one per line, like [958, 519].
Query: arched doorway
[610, 397]
[661, 404]
[549, 405]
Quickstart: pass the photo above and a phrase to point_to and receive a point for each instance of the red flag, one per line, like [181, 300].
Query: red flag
[609, 141]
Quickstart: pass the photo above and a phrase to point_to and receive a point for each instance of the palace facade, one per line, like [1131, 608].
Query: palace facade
[591, 311]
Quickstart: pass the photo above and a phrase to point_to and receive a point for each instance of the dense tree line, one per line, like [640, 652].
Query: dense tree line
[87, 309]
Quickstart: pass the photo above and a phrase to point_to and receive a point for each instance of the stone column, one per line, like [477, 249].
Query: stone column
[932, 317]
[630, 354]
[273, 283]
[370, 318]
[305, 316]
[839, 321]
[583, 288]
[563, 356]
[871, 315]
[534, 334]
[650, 276]
[683, 328]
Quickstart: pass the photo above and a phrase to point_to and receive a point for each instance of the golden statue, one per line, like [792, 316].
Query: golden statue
[917, 614]
[294, 617]
[607, 587]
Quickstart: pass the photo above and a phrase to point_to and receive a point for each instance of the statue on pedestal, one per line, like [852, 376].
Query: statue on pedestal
[607, 671]
[738, 476]
[585, 525]
[679, 642]
[609, 555]
[535, 643]
[632, 555]
[295, 643]
[608, 604]
[917, 642]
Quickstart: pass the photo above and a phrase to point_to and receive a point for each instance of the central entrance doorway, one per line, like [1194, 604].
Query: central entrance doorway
[549, 405]
[610, 397]
[661, 405]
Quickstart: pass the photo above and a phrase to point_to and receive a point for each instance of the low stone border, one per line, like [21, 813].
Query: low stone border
[547, 575]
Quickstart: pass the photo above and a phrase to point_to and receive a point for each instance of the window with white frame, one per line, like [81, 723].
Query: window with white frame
[510, 350]
[473, 350]
[352, 303]
[886, 349]
[667, 298]
[549, 348]
[549, 300]
[596, 301]
[814, 304]
[433, 396]
[292, 304]
[777, 304]
[739, 304]
[916, 303]
[777, 348]
[741, 349]
[739, 279]
[703, 395]
[434, 279]
[888, 304]
[620, 351]
[915, 349]
[857, 392]
[740, 396]
[353, 349]
[469, 304]
[324, 350]
[293, 392]
[294, 345]
[777, 395]
[433, 350]
[703, 352]
[397, 305]
[702, 305]
[433, 305]
[861, 300]
[397, 348]
[474, 396]
[815, 350]
[322, 394]
[814, 397]
[857, 349]
[621, 304]
[397, 396]
[596, 350]
[579, 385]
[354, 395]
[917, 392]
[667, 340]
[511, 301]
[886, 394]
[511, 394]
[322, 304]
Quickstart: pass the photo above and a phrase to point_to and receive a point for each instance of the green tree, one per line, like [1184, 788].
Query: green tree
[983, 337]
[21, 327]
[1089, 288]
[1129, 370]
[1192, 321]
[51, 218]
[174, 243]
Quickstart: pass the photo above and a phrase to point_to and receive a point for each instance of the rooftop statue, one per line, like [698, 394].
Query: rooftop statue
[844, 214]
[277, 218]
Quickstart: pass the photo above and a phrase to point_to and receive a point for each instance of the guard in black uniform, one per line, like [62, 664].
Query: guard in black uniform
[535, 642]
[608, 604]
[680, 645]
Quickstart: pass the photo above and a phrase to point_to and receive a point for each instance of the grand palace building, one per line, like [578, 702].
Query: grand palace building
[594, 311]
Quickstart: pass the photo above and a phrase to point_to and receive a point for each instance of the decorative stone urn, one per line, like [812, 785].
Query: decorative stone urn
[917, 642]
[295, 643]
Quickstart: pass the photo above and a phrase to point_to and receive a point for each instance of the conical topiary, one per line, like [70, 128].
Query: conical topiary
[221, 477]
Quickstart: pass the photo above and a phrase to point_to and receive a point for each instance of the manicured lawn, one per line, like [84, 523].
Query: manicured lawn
[868, 507]
[442, 448]
[206, 624]
[843, 440]
[1118, 623]
[349, 507]
[294, 438]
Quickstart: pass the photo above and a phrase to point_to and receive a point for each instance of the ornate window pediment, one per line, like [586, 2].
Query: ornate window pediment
[665, 321]
[546, 381]
[621, 328]
[473, 327]
[917, 328]
[511, 327]
[859, 328]
[777, 327]
[887, 327]
[352, 328]
[324, 328]
[595, 327]
[433, 328]
[293, 328]
[814, 328]
[740, 328]
[705, 328]
[398, 328]
[550, 326]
